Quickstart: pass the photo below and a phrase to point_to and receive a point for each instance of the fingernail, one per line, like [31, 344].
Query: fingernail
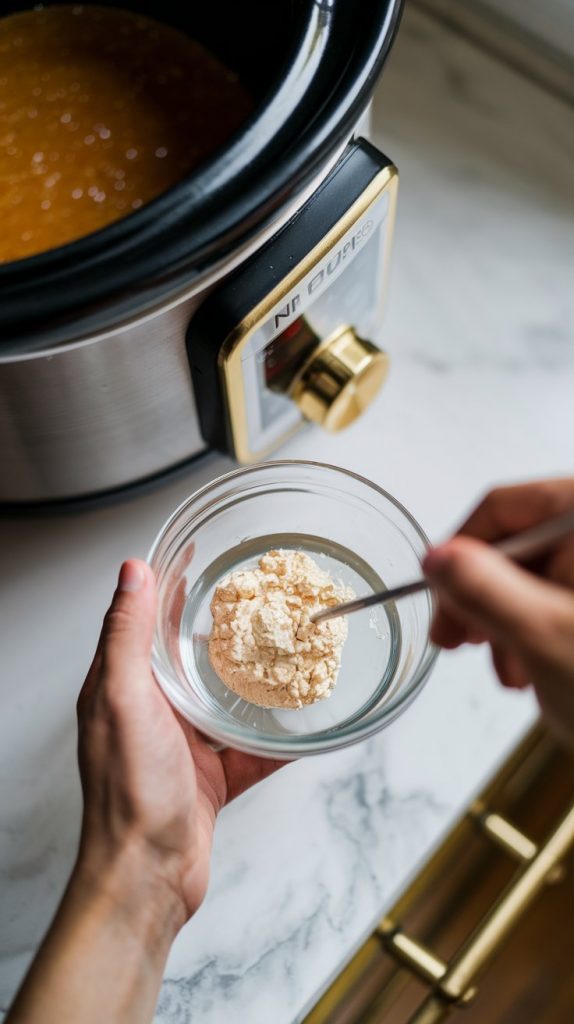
[131, 577]
[435, 560]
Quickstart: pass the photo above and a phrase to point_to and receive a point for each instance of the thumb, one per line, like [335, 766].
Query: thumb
[127, 631]
[495, 595]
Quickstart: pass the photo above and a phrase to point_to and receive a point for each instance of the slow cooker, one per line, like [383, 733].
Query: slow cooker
[235, 307]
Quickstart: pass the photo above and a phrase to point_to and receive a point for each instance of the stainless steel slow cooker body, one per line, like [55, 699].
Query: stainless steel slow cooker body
[99, 387]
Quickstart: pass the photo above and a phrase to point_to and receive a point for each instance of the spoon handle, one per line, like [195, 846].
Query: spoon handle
[382, 597]
[538, 539]
[520, 547]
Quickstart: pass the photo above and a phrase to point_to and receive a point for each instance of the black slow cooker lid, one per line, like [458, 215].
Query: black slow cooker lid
[314, 64]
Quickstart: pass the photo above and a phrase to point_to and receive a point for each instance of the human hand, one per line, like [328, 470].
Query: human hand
[152, 785]
[525, 613]
[152, 790]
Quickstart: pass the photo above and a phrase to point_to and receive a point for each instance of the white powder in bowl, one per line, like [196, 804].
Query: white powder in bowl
[263, 645]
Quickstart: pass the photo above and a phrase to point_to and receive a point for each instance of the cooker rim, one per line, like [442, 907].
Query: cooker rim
[226, 200]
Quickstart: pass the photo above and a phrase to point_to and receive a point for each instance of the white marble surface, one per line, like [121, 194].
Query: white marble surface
[480, 328]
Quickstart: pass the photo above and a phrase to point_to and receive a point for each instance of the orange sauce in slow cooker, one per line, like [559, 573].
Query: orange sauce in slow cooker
[101, 110]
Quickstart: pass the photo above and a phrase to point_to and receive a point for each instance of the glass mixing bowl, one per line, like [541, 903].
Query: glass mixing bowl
[354, 530]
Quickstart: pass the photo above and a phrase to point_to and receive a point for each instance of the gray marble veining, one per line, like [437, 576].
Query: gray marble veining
[480, 331]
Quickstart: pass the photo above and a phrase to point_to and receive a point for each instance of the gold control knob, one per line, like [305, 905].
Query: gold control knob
[339, 380]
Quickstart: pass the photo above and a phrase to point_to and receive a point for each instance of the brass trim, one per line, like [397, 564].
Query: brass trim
[339, 380]
[503, 833]
[510, 839]
[453, 984]
[454, 988]
[526, 760]
[411, 953]
[229, 358]
[433, 1011]
[511, 905]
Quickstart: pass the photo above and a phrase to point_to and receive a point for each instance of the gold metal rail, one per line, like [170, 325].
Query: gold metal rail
[456, 983]
[365, 989]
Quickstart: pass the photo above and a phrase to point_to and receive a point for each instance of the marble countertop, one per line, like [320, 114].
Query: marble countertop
[480, 329]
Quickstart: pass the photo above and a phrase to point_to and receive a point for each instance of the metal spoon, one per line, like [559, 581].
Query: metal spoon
[521, 547]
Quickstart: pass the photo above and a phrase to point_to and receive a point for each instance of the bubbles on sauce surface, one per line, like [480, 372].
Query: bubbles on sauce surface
[101, 110]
